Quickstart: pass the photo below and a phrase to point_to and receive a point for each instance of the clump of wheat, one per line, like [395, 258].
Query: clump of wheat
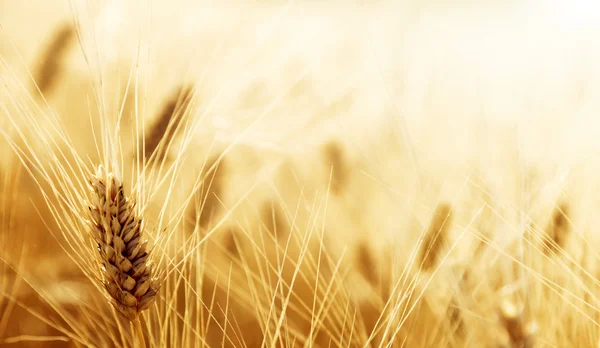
[230, 284]
[128, 274]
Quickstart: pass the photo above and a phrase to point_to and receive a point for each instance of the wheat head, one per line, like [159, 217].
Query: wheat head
[128, 274]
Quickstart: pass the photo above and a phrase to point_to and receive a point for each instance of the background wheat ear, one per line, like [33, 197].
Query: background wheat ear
[557, 230]
[167, 124]
[127, 274]
[335, 158]
[436, 236]
[50, 66]
[520, 334]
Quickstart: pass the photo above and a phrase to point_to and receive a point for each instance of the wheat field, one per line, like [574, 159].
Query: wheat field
[299, 173]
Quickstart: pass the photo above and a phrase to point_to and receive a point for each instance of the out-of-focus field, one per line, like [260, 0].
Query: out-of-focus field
[346, 130]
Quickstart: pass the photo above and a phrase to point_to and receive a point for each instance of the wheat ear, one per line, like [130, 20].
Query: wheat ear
[50, 68]
[127, 273]
[558, 230]
[520, 335]
[436, 236]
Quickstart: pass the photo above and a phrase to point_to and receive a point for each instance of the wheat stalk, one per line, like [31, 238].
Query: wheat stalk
[127, 273]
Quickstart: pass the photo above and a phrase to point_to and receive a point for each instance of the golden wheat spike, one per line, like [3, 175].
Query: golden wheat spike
[49, 68]
[558, 229]
[166, 124]
[435, 237]
[455, 317]
[520, 335]
[336, 161]
[230, 242]
[127, 272]
[366, 263]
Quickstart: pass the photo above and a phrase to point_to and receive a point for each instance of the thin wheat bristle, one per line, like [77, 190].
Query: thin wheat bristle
[127, 272]
[166, 124]
[49, 69]
[435, 237]
[558, 229]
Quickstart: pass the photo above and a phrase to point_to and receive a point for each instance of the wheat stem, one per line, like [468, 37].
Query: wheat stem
[137, 326]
